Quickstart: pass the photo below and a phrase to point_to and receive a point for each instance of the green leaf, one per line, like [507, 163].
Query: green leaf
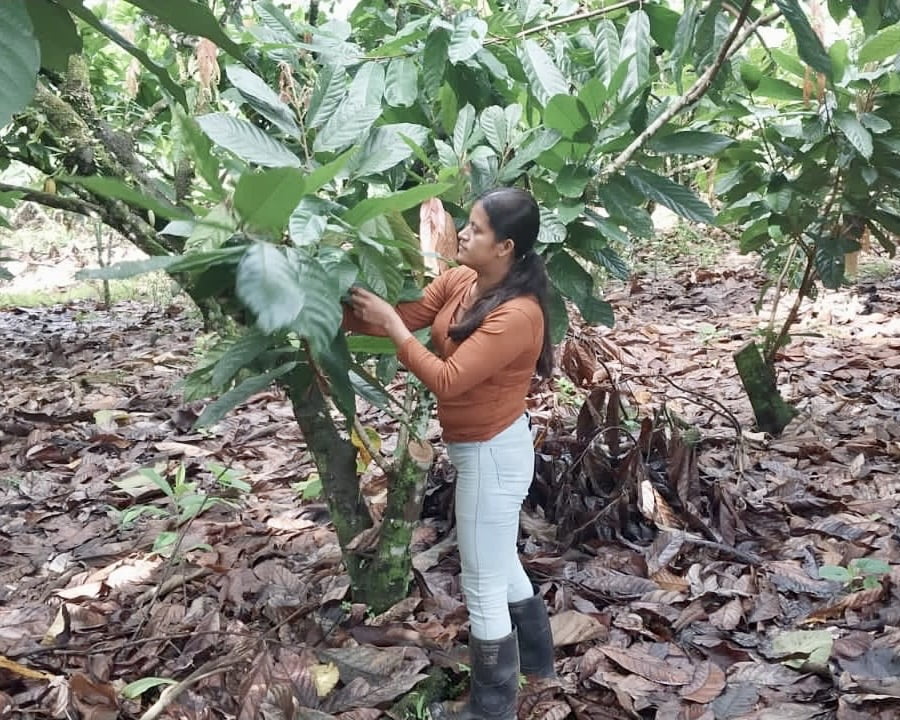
[830, 267]
[809, 46]
[368, 84]
[399, 201]
[191, 18]
[571, 180]
[220, 407]
[559, 316]
[386, 147]
[684, 37]
[606, 51]
[380, 272]
[462, 131]
[189, 262]
[114, 188]
[838, 9]
[834, 572]
[20, 59]
[777, 89]
[324, 174]
[56, 33]
[870, 566]
[347, 126]
[371, 345]
[246, 141]
[544, 78]
[493, 124]
[263, 99]
[199, 147]
[139, 687]
[566, 114]
[664, 24]
[574, 282]
[691, 142]
[268, 284]
[636, 46]
[320, 316]
[677, 198]
[308, 221]
[593, 95]
[402, 83]
[467, 38]
[852, 128]
[266, 199]
[329, 91]
[434, 61]
[881, 46]
[238, 356]
[335, 361]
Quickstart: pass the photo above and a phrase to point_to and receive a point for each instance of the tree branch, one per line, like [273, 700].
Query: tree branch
[588, 15]
[57, 202]
[732, 43]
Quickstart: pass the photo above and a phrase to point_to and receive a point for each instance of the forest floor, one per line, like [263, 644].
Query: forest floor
[694, 569]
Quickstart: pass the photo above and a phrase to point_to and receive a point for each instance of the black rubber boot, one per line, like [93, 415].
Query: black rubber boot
[494, 685]
[530, 618]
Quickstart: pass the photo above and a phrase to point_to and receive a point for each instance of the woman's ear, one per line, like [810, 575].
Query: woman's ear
[507, 247]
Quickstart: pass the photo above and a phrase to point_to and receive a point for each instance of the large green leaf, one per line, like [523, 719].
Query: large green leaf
[399, 201]
[198, 144]
[809, 46]
[462, 131]
[684, 37]
[544, 78]
[329, 91]
[308, 221]
[220, 407]
[368, 84]
[559, 316]
[466, 39]
[575, 283]
[266, 199]
[189, 262]
[691, 142]
[402, 83]
[606, 51]
[677, 198]
[320, 313]
[434, 61]
[386, 147]
[853, 130]
[56, 33]
[380, 271]
[238, 356]
[619, 198]
[881, 46]
[20, 59]
[246, 141]
[263, 99]
[268, 284]
[494, 127]
[778, 89]
[120, 190]
[191, 18]
[347, 126]
[636, 43]
[335, 360]
[566, 114]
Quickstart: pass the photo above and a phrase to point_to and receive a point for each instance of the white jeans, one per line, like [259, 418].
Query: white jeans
[492, 481]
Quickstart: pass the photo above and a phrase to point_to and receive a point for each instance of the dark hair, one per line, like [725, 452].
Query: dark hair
[513, 214]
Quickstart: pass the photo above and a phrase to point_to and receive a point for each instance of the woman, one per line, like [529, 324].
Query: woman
[490, 327]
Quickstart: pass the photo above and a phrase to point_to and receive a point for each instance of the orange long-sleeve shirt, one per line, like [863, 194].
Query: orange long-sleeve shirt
[480, 383]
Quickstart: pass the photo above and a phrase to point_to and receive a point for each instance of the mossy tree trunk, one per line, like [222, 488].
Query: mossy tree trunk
[377, 559]
[771, 411]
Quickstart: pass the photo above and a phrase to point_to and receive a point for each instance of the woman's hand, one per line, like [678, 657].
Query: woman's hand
[370, 308]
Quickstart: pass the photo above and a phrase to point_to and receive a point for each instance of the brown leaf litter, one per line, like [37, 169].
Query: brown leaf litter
[678, 550]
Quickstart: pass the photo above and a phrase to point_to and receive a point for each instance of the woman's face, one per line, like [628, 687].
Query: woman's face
[478, 246]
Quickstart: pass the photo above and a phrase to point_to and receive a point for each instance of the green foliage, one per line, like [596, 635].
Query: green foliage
[859, 574]
[20, 55]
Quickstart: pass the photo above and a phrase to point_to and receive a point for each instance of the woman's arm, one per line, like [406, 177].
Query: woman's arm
[414, 315]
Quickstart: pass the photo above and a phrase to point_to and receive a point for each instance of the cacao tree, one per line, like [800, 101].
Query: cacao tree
[269, 161]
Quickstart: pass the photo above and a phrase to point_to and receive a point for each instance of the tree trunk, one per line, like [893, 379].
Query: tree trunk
[771, 411]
